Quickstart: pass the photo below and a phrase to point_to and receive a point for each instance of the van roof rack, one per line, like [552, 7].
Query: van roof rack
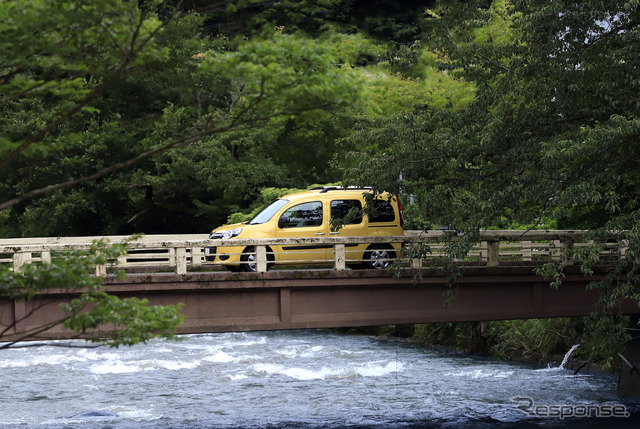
[324, 189]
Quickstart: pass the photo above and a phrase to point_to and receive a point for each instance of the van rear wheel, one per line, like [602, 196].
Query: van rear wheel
[378, 257]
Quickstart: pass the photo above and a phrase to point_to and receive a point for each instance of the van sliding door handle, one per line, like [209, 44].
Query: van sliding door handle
[334, 233]
[319, 233]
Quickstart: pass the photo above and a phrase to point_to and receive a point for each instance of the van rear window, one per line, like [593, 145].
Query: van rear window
[383, 212]
[341, 208]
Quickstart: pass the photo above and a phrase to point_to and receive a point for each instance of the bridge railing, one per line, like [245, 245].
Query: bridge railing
[182, 253]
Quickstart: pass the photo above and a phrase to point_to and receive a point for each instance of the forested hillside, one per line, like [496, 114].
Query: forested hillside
[496, 110]
[82, 99]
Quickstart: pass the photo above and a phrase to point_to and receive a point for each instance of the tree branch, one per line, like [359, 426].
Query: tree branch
[235, 123]
[7, 77]
[93, 95]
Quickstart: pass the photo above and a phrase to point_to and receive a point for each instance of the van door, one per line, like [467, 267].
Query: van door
[355, 226]
[302, 220]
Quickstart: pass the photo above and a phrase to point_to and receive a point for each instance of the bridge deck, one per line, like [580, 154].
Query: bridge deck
[220, 301]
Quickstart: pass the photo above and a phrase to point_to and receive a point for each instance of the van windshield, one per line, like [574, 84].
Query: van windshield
[267, 213]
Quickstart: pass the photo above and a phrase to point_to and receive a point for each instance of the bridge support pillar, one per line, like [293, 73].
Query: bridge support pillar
[629, 382]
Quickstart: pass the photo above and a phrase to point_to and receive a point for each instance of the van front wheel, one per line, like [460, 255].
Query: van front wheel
[248, 260]
[378, 257]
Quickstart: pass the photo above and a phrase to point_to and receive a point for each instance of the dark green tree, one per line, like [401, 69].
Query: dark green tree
[85, 106]
[400, 22]
[553, 131]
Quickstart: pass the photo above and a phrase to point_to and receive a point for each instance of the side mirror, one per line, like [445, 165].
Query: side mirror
[284, 220]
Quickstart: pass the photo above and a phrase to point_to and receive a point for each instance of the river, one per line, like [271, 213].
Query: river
[294, 379]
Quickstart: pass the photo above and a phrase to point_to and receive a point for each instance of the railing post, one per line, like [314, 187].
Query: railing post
[122, 260]
[416, 263]
[416, 260]
[19, 259]
[527, 252]
[101, 270]
[625, 248]
[493, 251]
[567, 245]
[196, 256]
[339, 262]
[554, 250]
[45, 257]
[261, 259]
[173, 259]
[181, 260]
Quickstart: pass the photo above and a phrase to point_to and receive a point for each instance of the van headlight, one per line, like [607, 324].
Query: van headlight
[231, 233]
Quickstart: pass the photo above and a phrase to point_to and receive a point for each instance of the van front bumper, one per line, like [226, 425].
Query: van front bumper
[227, 255]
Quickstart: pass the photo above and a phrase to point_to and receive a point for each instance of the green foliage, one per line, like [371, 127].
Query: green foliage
[542, 340]
[539, 340]
[384, 20]
[207, 122]
[552, 132]
[550, 138]
[444, 90]
[603, 338]
[391, 94]
[535, 340]
[155, 94]
[470, 337]
[94, 315]
[289, 74]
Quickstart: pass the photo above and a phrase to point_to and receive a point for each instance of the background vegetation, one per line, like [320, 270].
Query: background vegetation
[176, 117]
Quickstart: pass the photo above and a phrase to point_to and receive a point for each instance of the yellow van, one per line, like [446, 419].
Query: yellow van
[309, 214]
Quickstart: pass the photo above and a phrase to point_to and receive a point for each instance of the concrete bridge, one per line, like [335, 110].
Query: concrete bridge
[497, 282]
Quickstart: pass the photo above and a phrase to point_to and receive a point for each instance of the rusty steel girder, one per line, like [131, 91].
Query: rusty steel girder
[221, 302]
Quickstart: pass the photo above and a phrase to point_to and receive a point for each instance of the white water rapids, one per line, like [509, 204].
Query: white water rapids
[297, 379]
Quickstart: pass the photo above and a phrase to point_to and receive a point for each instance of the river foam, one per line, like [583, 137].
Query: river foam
[296, 379]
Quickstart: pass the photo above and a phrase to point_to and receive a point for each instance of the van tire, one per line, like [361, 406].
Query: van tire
[248, 260]
[378, 257]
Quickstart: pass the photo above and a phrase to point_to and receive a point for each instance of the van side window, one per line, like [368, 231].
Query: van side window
[384, 212]
[340, 209]
[305, 214]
